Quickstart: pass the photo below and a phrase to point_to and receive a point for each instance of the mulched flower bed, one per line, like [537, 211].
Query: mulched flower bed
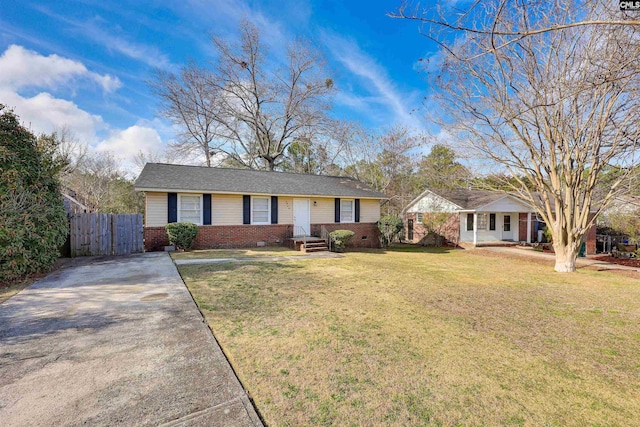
[621, 261]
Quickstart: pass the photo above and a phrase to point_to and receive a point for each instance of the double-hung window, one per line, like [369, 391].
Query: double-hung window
[482, 221]
[260, 210]
[346, 210]
[469, 222]
[190, 208]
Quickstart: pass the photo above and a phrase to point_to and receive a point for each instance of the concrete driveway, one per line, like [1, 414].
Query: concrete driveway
[114, 341]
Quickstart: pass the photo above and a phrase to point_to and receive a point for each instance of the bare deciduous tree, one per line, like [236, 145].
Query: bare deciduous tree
[487, 18]
[384, 160]
[264, 109]
[246, 106]
[553, 108]
[191, 103]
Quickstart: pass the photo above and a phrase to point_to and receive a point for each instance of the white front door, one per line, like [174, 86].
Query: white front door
[301, 217]
[507, 225]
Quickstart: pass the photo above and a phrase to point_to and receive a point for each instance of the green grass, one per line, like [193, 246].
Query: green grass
[268, 251]
[427, 337]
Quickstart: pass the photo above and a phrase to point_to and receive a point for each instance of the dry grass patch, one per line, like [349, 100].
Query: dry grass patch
[235, 253]
[9, 290]
[425, 337]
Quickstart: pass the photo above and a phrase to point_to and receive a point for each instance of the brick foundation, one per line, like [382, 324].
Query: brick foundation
[247, 236]
[367, 234]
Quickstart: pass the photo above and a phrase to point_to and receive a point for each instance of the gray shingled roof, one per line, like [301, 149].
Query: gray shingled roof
[159, 176]
[469, 199]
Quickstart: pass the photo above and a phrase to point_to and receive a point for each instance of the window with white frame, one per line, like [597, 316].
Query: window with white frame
[346, 210]
[482, 221]
[260, 210]
[190, 208]
[419, 217]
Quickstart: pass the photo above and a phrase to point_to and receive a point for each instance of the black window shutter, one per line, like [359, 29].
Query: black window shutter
[246, 209]
[172, 203]
[492, 221]
[337, 211]
[206, 209]
[274, 209]
[357, 211]
[469, 222]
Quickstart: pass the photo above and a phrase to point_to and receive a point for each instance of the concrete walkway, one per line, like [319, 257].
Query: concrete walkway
[580, 262]
[314, 255]
[114, 341]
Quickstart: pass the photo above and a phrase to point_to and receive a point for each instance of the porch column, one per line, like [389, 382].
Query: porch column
[475, 228]
[529, 227]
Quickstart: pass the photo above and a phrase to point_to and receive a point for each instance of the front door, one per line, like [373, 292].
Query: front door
[301, 217]
[507, 234]
[410, 229]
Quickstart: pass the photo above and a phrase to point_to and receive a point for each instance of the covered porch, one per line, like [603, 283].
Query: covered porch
[504, 222]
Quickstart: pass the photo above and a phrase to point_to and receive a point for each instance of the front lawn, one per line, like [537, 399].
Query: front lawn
[267, 251]
[427, 337]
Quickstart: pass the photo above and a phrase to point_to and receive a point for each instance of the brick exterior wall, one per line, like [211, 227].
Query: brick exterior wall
[246, 236]
[451, 230]
[367, 234]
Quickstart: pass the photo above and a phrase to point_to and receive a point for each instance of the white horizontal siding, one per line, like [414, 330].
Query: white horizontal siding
[285, 210]
[369, 210]
[226, 209]
[322, 210]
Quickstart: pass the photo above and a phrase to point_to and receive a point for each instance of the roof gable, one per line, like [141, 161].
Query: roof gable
[166, 177]
[506, 203]
[465, 200]
[429, 201]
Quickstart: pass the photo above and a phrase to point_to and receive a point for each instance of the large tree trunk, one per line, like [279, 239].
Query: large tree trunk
[566, 256]
[566, 245]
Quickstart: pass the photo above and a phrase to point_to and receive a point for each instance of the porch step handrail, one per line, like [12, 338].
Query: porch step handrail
[324, 234]
[300, 232]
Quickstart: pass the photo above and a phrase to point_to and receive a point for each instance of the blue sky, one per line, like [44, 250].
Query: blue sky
[84, 64]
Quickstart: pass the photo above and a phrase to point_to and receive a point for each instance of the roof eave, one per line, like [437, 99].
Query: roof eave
[182, 190]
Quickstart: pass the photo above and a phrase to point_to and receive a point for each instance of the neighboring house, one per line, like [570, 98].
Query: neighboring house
[478, 218]
[244, 208]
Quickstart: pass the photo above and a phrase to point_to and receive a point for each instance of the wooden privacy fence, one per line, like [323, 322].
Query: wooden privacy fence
[105, 234]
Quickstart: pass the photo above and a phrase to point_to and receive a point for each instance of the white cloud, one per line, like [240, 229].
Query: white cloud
[44, 113]
[374, 75]
[230, 12]
[20, 68]
[129, 142]
[145, 53]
